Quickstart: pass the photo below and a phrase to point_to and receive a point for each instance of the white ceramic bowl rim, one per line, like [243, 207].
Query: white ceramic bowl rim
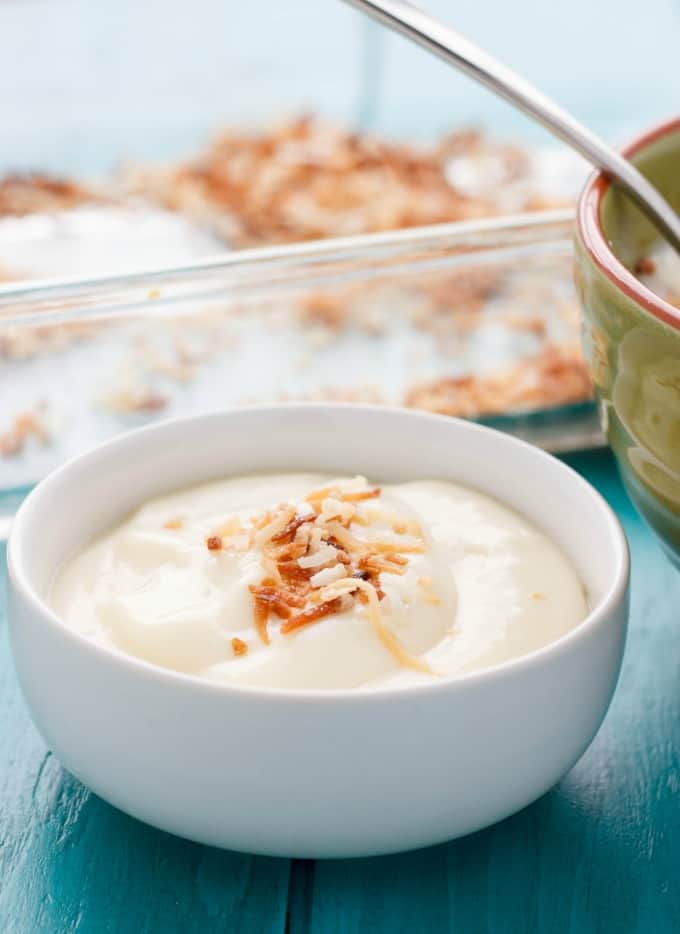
[597, 615]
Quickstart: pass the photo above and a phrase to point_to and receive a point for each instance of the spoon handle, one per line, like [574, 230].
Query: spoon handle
[455, 49]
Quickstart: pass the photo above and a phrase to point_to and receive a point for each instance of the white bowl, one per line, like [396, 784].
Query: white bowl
[302, 773]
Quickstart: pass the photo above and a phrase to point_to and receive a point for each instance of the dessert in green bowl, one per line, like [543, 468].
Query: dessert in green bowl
[629, 286]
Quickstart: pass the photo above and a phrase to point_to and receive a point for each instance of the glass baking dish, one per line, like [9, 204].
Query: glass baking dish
[476, 319]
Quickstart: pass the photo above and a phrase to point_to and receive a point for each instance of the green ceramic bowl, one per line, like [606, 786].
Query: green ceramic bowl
[631, 336]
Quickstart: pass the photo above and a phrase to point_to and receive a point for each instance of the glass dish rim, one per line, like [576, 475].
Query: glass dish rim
[57, 300]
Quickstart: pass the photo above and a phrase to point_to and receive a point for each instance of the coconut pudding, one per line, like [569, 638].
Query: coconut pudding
[305, 581]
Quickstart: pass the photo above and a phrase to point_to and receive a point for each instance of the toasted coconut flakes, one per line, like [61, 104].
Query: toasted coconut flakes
[556, 376]
[277, 600]
[413, 548]
[268, 599]
[292, 570]
[313, 564]
[239, 647]
[277, 524]
[359, 519]
[25, 425]
[130, 399]
[306, 180]
[332, 508]
[316, 496]
[173, 524]
[290, 552]
[320, 308]
[343, 557]
[388, 568]
[36, 192]
[11, 443]
[328, 575]
[282, 609]
[292, 598]
[376, 565]
[322, 555]
[345, 585]
[360, 495]
[315, 539]
[270, 567]
[303, 535]
[537, 595]
[290, 529]
[261, 615]
[378, 515]
[345, 538]
[310, 616]
[395, 558]
[28, 423]
[259, 522]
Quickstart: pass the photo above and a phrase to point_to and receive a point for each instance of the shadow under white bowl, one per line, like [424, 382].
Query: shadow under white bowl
[303, 773]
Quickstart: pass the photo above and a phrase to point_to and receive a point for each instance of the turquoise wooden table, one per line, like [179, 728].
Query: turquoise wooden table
[599, 853]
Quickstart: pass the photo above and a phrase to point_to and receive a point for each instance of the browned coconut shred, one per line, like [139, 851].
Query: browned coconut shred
[314, 566]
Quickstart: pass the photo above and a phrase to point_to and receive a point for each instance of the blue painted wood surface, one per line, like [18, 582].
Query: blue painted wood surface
[599, 853]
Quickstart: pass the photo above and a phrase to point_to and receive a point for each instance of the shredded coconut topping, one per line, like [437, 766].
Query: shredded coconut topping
[314, 566]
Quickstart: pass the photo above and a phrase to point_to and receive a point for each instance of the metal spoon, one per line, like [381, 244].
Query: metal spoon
[455, 49]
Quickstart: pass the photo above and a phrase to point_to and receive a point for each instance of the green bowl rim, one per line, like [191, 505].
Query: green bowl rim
[592, 235]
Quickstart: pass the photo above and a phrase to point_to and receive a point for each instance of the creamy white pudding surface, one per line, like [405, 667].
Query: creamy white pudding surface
[310, 581]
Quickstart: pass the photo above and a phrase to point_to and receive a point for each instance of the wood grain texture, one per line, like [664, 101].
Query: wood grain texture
[600, 853]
